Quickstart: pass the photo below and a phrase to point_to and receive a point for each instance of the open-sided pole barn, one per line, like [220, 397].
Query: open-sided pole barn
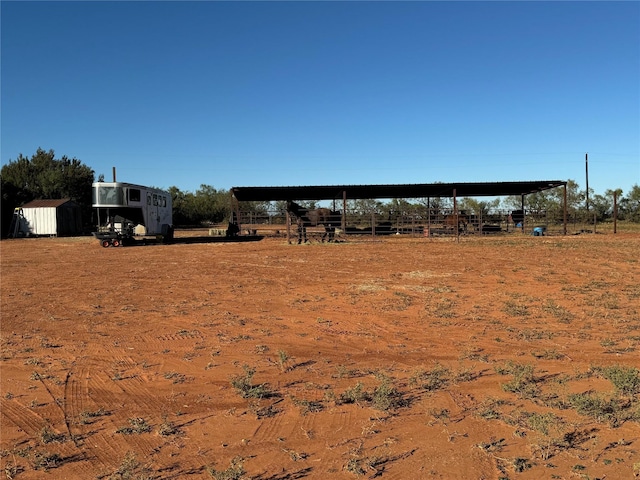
[400, 191]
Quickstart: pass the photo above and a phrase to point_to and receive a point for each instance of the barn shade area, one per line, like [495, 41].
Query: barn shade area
[418, 190]
[389, 191]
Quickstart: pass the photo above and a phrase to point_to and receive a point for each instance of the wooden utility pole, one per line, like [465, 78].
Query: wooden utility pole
[615, 212]
[586, 167]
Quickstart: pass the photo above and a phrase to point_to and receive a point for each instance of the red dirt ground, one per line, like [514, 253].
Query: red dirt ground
[399, 358]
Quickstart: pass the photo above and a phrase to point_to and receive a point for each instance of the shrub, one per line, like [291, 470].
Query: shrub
[245, 387]
[234, 472]
[136, 426]
[626, 380]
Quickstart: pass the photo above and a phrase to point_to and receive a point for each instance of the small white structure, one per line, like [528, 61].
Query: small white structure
[60, 217]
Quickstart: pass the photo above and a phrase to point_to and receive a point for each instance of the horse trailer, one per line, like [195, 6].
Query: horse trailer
[125, 211]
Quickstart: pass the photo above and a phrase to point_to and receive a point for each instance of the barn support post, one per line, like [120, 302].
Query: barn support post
[373, 223]
[288, 220]
[344, 211]
[429, 217]
[455, 212]
[524, 216]
[564, 207]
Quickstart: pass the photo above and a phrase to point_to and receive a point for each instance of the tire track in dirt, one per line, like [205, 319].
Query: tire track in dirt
[112, 404]
[96, 444]
[25, 419]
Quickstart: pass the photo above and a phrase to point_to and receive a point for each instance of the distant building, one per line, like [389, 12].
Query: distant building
[50, 217]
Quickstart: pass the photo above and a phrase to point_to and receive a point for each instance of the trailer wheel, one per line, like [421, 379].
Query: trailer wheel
[115, 242]
[106, 243]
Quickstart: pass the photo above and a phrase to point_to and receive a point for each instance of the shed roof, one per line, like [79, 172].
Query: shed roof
[49, 203]
[420, 190]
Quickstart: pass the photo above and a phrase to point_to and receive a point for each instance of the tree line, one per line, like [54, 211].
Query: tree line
[42, 176]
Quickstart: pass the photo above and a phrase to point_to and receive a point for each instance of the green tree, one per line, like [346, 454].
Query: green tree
[206, 206]
[44, 177]
[601, 206]
[478, 207]
[629, 205]
[551, 201]
[436, 204]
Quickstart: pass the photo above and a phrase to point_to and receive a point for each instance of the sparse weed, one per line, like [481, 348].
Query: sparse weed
[386, 396]
[308, 406]
[245, 387]
[45, 461]
[344, 372]
[445, 308]
[167, 428]
[626, 380]
[524, 381]
[136, 426]
[560, 313]
[489, 409]
[175, 377]
[263, 412]
[475, 354]
[47, 435]
[355, 394]
[514, 309]
[12, 469]
[548, 354]
[493, 445]
[296, 456]
[362, 465]
[439, 377]
[440, 415]
[383, 397]
[521, 464]
[542, 422]
[86, 416]
[283, 358]
[130, 469]
[234, 472]
[613, 410]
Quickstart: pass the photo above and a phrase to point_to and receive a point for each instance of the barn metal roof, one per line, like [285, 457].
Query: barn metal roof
[419, 190]
[48, 203]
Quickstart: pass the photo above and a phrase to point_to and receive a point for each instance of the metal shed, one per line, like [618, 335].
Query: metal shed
[60, 217]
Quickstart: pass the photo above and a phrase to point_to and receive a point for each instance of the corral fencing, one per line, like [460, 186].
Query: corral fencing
[424, 222]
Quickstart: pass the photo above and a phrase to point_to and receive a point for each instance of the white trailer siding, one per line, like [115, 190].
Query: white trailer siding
[135, 208]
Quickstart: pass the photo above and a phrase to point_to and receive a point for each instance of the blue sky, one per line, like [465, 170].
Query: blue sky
[305, 93]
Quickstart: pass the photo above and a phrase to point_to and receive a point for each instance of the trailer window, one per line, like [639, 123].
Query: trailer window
[110, 195]
[155, 199]
[134, 195]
